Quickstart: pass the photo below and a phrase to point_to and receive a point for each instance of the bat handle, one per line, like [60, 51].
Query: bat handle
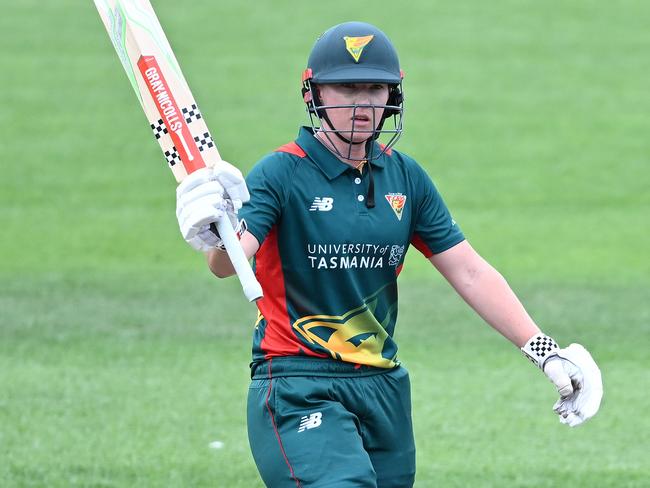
[252, 288]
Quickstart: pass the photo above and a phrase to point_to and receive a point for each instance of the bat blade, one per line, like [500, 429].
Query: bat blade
[149, 61]
[173, 114]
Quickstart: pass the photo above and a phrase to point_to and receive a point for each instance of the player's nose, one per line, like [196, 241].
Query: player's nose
[363, 97]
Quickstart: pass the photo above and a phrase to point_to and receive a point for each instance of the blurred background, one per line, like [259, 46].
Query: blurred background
[122, 360]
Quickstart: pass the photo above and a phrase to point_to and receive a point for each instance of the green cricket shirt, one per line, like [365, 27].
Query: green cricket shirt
[328, 265]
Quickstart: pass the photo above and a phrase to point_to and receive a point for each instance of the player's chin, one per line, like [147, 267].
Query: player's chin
[358, 135]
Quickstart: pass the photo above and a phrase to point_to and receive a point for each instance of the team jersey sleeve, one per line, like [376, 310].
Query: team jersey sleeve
[268, 184]
[435, 230]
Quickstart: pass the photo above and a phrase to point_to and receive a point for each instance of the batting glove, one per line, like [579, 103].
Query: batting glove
[573, 372]
[206, 196]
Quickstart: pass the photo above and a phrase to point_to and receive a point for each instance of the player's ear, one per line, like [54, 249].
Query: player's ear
[318, 91]
[311, 96]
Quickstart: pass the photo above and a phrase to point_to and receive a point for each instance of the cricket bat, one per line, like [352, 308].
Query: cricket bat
[173, 115]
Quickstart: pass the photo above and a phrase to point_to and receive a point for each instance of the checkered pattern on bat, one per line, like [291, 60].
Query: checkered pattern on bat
[159, 129]
[172, 156]
[191, 114]
[204, 142]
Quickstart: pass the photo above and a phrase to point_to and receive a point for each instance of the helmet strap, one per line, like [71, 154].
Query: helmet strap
[370, 195]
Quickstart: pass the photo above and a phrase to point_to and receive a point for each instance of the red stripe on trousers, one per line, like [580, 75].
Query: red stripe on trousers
[275, 428]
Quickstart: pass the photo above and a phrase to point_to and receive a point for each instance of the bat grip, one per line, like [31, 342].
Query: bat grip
[252, 288]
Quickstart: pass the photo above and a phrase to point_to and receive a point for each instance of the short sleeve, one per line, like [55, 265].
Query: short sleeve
[435, 230]
[268, 184]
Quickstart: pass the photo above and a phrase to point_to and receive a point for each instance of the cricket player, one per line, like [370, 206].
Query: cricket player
[328, 219]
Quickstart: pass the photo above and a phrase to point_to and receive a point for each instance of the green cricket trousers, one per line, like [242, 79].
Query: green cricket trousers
[317, 423]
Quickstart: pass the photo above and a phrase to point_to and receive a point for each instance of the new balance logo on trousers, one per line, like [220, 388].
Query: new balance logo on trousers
[310, 422]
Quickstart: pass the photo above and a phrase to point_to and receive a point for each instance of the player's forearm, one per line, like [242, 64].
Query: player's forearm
[219, 263]
[489, 294]
[486, 291]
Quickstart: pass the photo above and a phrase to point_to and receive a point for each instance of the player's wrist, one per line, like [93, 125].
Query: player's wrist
[239, 226]
[539, 348]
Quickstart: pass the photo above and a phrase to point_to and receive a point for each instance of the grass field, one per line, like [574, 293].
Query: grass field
[122, 359]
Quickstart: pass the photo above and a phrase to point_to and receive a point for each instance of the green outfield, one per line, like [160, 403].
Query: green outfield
[122, 359]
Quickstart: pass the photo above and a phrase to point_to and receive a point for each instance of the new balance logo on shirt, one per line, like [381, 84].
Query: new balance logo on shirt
[322, 204]
[310, 422]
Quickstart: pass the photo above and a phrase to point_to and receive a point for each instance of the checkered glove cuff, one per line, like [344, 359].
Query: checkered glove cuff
[539, 348]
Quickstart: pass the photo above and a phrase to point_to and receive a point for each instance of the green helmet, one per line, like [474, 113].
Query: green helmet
[355, 52]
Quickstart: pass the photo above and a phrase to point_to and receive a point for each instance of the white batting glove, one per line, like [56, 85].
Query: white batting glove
[233, 183]
[573, 372]
[206, 196]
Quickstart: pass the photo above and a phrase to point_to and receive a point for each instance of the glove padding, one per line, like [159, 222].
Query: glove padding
[573, 372]
[206, 196]
[583, 401]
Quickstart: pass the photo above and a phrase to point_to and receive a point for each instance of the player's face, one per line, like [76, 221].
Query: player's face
[354, 123]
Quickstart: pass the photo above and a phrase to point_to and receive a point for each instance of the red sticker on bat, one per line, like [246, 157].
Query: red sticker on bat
[170, 114]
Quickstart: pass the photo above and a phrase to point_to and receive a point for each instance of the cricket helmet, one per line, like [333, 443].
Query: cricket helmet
[355, 52]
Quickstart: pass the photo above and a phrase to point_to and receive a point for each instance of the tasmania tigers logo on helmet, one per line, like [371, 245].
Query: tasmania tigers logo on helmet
[355, 45]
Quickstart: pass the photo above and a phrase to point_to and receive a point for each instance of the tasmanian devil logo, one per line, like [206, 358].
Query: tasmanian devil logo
[355, 45]
[396, 253]
[356, 337]
[396, 202]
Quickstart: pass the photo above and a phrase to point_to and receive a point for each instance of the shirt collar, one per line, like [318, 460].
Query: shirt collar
[325, 159]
